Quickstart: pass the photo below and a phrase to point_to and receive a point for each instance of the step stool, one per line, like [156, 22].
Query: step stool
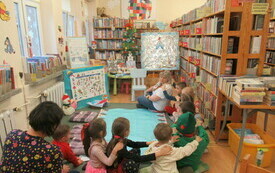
[125, 87]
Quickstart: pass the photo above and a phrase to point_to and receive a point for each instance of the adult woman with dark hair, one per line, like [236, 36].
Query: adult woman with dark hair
[28, 151]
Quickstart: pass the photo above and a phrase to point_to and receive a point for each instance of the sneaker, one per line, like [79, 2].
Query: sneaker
[161, 115]
[162, 119]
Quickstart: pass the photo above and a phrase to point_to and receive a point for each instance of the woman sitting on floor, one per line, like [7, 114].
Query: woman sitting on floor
[157, 101]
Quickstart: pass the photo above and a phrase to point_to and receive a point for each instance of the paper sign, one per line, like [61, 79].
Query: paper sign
[235, 3]
[184, 44]
[197, 62]
[186, 32]
[259, 8]
[191, 58]
[198, 30]
[182, 79]
[192, 75]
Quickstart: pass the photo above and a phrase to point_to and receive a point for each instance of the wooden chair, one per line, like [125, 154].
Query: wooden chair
[247, 167]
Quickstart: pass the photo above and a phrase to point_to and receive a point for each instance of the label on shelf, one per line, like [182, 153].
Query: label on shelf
[192, 75]
[191, 58]
[259, 8]
[197, 62]
[182, 79]
[198, 31]
[185, 44]
[187, 32]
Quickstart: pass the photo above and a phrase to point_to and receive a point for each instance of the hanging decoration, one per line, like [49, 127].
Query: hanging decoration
[129, 43]
[4, 14]
[9, 47]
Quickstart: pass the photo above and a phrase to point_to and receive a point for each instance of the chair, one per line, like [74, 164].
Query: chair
[138, 76]
[247, 167]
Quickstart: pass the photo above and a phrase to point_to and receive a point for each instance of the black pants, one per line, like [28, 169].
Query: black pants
[130, 166]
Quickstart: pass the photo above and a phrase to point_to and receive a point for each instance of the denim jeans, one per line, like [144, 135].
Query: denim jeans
[146, 103]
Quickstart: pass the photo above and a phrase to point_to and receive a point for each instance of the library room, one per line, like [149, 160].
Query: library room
[137, 86]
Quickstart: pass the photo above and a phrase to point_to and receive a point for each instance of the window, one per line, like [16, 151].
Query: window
[28, 25]
[68, 24]
[19, 28]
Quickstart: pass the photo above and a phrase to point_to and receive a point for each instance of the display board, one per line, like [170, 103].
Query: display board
[160, 51]
[86, 84]
[77, 55]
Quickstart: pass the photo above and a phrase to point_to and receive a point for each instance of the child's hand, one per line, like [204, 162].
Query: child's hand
[174, 130]
[65, 169]
[79, 161]
[177, 98]
[150, 142]
[118, 147]
[198, 139]
[166, 150]
[175, 139]
[148, 96]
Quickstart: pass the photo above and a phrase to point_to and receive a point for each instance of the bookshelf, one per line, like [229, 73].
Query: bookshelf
[214, 41]
[10, 94]
[108, 34]
[270, 48]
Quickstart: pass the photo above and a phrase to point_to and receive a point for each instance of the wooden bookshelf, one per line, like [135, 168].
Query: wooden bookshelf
[269, 64]
[239, 55]
[272, 19]
[147, 29]
[109, 27]
[109, 49]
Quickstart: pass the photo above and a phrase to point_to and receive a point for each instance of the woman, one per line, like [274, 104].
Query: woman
[157, 101]
[28, 151]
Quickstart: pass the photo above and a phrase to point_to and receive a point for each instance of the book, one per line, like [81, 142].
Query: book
[235, 22]
[249, 82]
[258, 22]
[255, 44]
[233, 45]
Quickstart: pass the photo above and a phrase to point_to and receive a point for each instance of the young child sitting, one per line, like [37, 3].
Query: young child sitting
[61, 138]
[167, 164]
[178, 89]
[95, 147]
[187, 94]
[128, 161]
[185, 127]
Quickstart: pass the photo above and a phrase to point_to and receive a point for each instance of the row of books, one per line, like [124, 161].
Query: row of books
[109, 44]
[107, 55]
[209, 100]
[209, 81]
[209, 118]
[212, 44]
[270, 57]
[213, 25]
[269, 98]
[43, 63]
[110, 22]
[6, 79]
[190, 68]
[118, 33]
[271, 43]
[211, 63]
[271, 27]
[248, 91]
[268, 70]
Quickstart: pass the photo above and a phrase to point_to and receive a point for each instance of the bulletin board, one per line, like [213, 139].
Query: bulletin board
[86, 84]
[160, 51]
[77, 55]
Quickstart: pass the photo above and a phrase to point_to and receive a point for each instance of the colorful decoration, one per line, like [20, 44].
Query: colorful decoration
[4, 14]
[129, 43]
[140, 9]
[9, 47]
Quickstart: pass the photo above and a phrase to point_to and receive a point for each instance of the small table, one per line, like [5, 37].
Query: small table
[254, 108]
[118, 76]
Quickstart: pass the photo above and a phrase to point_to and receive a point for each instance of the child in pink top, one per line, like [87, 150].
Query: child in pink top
[95, 147]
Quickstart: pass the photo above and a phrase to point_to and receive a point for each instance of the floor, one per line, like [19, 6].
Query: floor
[220, 157]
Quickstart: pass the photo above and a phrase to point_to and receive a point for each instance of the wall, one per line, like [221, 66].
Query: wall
[166, 10]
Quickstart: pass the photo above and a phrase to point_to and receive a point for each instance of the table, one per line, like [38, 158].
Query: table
[254, 108]
[118, 76]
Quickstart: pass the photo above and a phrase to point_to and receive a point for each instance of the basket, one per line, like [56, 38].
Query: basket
[252, 149]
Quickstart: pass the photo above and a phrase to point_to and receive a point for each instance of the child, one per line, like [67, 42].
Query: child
[128, 161]
[178, 88]
[163, 133]
[187, 94]
[96, 131]
[61, 138]
[185, 127]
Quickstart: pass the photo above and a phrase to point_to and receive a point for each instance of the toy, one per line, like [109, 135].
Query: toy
[69, 105]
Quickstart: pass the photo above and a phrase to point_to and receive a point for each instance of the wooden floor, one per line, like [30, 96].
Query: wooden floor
[219, 156]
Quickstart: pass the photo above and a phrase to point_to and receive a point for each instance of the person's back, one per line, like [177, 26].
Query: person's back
[39, 156]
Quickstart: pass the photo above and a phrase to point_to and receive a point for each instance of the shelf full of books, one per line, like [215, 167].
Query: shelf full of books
[222, 38]
[108, 34]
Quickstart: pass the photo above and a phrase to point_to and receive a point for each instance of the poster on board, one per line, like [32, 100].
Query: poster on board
[160, 51]
[77, 52]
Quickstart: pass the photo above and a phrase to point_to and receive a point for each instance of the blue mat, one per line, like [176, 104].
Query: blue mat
[142, 123]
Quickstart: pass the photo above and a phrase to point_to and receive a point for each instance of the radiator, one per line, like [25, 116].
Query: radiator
[7, 124]
[55, 93]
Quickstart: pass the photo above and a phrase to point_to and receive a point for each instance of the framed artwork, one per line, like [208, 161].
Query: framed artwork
[160, 51]
[139, 9]
[77, 52]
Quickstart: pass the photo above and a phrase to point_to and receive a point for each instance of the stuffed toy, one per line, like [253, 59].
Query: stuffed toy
[69, 105]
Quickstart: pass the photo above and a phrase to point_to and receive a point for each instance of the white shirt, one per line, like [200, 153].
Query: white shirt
[160, 104]
[168, 164]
